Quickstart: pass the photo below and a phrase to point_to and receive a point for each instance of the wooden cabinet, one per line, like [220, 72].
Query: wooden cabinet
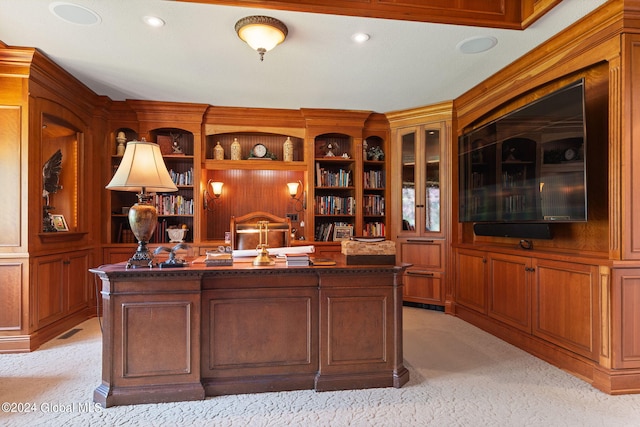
[48, 232]
[566, 305]
[420, 200]
[61, 285]
[509, 290]
[471, 280]
[556, 301]
[424, 280]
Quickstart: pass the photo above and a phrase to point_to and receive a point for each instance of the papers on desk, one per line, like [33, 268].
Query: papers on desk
[241, 253]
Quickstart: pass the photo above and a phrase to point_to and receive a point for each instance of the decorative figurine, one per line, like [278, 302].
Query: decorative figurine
[236, 150]
[176, 145]
[120, 139]
[287, 150]
[218, 152]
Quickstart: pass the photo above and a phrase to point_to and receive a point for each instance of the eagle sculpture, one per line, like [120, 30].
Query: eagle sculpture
[51, 175]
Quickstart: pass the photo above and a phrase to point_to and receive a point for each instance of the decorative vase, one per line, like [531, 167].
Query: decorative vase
[218, 152]
[236, 150]
[176, 235]
[287, 150]
[120, 139]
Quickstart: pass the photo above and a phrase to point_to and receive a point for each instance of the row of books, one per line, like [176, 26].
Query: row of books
[374, 229]
[171, 204]
[326, 178]
[182, 178]
[335, 205]
[373, 204]
[324, 231]
[374, 179]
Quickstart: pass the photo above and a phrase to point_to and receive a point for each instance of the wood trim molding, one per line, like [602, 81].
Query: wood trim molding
[509, 14]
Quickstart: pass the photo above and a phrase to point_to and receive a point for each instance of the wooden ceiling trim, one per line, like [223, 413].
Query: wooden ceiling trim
[508, 14]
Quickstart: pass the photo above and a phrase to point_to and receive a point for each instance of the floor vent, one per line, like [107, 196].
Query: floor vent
[69, 334]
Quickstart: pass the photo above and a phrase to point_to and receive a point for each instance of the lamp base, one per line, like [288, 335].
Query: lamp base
[142, 257]
[263, 258]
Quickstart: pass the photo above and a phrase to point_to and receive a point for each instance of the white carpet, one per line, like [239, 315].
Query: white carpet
[460, 376]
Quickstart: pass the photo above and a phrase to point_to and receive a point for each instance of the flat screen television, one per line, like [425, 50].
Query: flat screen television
[527, 166]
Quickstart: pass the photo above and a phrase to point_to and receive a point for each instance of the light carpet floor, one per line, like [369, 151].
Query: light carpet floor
[460, 376]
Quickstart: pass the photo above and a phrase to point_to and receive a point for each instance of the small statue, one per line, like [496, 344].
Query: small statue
[176, 145]
[120, 139]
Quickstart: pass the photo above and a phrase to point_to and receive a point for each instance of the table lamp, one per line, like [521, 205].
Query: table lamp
[142, 170]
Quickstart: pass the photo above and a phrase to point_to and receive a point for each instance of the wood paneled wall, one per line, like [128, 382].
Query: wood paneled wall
[246, 191]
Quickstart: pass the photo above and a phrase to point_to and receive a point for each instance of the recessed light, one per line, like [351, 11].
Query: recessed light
[153, 21]
[477, 44]
[74, 13]
[360, 37]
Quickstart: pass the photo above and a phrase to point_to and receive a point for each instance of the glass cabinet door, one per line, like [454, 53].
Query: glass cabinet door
[432, 180]
[420, 156]
[408, 159]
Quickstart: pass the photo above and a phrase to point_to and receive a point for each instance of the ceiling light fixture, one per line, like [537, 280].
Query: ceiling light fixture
[153, 21]
[262, 33]
[477, 44]
[360, 37]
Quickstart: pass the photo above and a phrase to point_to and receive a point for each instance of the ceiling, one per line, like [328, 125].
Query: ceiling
[197, 56]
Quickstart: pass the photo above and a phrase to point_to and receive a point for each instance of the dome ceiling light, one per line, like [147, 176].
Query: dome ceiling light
[262, 33]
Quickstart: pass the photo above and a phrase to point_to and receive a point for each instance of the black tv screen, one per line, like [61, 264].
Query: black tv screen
[528, 165]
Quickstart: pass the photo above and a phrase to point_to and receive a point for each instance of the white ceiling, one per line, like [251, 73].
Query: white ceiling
[197, 56]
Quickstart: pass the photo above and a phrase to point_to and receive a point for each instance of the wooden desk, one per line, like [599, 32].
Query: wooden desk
[183, 334]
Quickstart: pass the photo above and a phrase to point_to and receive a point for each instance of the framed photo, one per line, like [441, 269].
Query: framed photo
[342, 232]
[59, 222]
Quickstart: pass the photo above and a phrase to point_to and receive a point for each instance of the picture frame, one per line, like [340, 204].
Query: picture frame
[342, 232]
[59, 223]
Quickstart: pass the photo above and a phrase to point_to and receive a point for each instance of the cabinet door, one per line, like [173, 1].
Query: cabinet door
[625, 320]
[420, 158]
[565, 306]
[471, 280]
[510, 290]
[48, 284]
[425, 287]
[78, 279]
[427, 254]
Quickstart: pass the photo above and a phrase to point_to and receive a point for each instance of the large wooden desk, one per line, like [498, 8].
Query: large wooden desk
[183, 334]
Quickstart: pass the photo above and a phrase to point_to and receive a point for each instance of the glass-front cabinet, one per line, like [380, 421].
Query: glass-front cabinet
[420, 202]
[420, 157]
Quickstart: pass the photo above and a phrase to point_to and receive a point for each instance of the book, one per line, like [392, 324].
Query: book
[322, 261]
[218, 259]
[297, 260]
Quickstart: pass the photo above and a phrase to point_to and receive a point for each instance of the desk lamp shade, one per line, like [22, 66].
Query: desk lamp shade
[142, 170]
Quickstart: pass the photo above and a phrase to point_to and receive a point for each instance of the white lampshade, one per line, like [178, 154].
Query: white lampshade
[293, 188]
[216, 187]
[142, 169]
[262, 33]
